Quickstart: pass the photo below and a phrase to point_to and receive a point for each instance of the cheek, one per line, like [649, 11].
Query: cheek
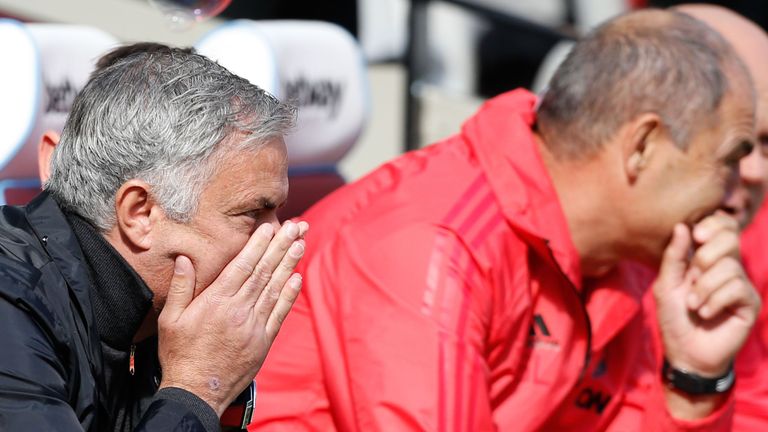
[714, 192]
[758, 194]
[213, 256]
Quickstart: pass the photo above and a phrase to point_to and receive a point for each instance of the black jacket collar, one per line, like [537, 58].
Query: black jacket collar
[119, 298]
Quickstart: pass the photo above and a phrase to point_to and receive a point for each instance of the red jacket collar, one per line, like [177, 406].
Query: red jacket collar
[500, 134]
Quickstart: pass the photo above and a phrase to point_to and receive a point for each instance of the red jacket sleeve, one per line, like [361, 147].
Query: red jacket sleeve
[644, 403]
[752, 382]
[752, 362]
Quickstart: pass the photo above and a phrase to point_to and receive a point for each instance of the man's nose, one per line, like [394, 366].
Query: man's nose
[752, 168]
[275, 222]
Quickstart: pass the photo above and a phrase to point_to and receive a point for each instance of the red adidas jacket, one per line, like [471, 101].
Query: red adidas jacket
[754, 248]
[442, 293]
[752, 362]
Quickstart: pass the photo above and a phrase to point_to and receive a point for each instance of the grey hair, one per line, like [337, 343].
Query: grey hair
[663, 62]
[165, 116]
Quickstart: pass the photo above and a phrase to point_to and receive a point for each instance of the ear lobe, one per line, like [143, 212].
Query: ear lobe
[640, 143]
[137, 214]
[48, 143]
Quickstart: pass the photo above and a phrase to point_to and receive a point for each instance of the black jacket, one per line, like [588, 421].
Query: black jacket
[69, 307]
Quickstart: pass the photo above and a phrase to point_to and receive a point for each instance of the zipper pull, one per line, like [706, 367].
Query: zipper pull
[132, 360]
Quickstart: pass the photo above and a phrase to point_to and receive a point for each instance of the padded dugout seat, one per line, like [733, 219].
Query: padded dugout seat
[319, 67]
[44, 66]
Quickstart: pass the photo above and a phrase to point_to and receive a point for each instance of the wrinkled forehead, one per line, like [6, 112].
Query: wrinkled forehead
[245, 178]
[735, 120]
[274, 152]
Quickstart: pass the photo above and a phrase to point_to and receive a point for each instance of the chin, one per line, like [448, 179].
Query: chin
[652, 255]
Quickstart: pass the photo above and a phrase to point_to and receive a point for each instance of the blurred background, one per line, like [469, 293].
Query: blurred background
[429, 63]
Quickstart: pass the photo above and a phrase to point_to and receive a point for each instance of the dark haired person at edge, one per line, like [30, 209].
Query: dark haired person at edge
[494, 281]
[143, 288]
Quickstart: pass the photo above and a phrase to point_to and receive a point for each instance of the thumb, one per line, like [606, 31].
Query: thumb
[674, 263]
[181, 290]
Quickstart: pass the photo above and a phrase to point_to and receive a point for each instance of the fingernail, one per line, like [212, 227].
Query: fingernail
[304, 226]
[291, 229]
[705, 312]
[296, 281]
[700, 233]
[297, 249]
[693, 300]
[266, 230]
[179, 266]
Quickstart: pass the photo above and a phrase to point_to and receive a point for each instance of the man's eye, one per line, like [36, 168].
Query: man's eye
[254, 214]
[744, 149]
[763, 142]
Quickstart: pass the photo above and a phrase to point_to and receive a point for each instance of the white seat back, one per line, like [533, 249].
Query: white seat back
[44, 66]
[317, 65]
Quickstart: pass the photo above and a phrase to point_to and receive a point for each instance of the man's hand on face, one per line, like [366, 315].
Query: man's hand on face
[213, 345]
[706, 306]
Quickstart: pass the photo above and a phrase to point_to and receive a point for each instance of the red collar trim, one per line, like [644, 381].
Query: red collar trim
[500, 134]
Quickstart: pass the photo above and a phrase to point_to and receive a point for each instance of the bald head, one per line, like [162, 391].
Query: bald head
[748, 40]
[650, 61]
[751, 44]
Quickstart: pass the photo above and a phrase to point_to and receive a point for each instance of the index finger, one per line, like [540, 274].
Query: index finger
[275, 266]
[710, 226]
[243, 264]
[303, 228]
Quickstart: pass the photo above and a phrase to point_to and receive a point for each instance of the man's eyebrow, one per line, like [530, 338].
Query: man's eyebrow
[269, 203]
[743, 148]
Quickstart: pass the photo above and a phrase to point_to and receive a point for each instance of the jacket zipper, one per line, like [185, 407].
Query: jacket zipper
[132, 360]
[588, 355]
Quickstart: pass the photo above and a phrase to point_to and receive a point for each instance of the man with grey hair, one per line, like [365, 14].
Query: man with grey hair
[143, 288]
[493, 281]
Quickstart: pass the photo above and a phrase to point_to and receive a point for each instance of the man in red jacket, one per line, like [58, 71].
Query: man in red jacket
[484, 282]
[751, 44]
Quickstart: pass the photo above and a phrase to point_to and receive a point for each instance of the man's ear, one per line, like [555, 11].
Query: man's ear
[48, 142]
[641, 139]
[137, 214]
